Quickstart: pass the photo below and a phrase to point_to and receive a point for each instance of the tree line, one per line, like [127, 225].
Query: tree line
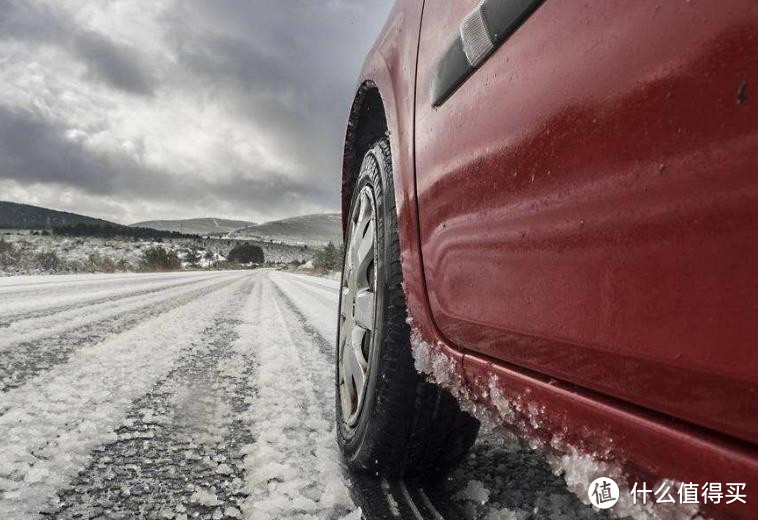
[109, 231]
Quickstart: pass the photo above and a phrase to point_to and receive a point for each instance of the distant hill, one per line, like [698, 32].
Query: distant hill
[24, 216]
[313, 230]
[195, 226]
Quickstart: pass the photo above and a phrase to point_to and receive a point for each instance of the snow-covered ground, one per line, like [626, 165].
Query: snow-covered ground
[199, 395]
[76, 254]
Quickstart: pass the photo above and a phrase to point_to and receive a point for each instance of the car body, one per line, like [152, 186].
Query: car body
[579, 223]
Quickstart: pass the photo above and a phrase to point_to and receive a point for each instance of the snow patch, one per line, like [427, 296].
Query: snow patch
[205, 497]
[506, 514]
[51, 423]
[505, 415]
[355, 515]
[474, 492]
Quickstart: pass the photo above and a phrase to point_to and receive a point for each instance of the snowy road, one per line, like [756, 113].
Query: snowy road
[205, 395]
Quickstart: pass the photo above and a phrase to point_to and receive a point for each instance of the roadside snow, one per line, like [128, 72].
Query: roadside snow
[75, 254]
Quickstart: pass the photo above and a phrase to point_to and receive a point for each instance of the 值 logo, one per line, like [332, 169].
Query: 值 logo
[603, 493]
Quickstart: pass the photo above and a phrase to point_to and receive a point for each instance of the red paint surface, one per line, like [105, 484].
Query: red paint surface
[648, 447]
[589, 202]
[587, 209]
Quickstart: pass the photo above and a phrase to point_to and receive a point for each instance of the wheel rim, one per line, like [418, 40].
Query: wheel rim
[358, 307]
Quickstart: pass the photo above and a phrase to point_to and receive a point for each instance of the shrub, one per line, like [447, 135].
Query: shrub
[102, 264]
[246, 254]
[158, 259]
[226, 264]
[329, 258]
[192, 258]
[9, 255]
[48, 261]
[5, 247]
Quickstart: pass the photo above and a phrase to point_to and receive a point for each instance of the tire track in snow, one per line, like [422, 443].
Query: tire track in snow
[319, 308]
[323, 294]
[316, 354]
[32, 357]
[34, 329]
[323, 339]
[33, 285]
[324, 284]
[76, 302]
[179, 453]
[292, 469]
[28, 299]
[54, 421]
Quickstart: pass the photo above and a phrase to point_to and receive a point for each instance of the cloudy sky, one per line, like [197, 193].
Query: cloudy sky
[143, 109]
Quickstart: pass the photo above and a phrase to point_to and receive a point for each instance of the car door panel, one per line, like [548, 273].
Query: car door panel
[588, 202]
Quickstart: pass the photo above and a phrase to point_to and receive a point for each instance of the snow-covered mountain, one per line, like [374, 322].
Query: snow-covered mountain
[195, 226]
[312, 230]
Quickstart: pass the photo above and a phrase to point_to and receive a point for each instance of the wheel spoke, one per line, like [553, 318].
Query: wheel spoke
[365, 255]
[364, 309]
[348, 395]
[358, 367]
[359, 379]
[346, 303]
[357, 342]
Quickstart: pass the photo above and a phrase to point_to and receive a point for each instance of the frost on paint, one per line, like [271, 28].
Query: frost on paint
[434, 362]
[517, 414]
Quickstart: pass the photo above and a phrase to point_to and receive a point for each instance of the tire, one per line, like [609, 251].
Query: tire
[399, 425]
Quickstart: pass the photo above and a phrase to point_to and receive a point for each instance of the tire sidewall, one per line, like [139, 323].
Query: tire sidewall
[353, 441]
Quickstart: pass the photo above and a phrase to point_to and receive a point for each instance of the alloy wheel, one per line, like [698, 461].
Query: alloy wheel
[358, 307]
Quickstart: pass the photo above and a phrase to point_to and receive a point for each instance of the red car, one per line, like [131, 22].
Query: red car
[554, 206]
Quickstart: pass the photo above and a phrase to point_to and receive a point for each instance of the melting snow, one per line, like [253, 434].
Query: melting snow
[576, 468]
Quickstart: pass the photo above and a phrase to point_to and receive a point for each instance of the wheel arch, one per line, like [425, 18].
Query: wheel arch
[367, 123]
[384, 103]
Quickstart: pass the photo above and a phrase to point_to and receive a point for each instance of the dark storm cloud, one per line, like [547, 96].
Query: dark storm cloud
[117, 65]
[289, 65]
[23, 20]
[281, 72]
[33, 151]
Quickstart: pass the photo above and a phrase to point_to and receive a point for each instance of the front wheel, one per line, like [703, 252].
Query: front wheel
[389, 420]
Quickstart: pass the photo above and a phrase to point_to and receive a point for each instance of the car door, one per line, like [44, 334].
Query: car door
[588, 195]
